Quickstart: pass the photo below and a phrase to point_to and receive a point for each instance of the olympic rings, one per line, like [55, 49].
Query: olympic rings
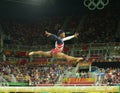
[96, 4]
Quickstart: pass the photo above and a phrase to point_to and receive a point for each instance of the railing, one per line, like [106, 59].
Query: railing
[103, 50]
[81, 45]
[27, 48]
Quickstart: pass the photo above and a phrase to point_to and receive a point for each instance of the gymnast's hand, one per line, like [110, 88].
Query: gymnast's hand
[47, 33]
[76, 35]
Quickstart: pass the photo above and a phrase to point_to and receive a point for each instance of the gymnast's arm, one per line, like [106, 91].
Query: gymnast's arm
[54, 36]
[70, 37]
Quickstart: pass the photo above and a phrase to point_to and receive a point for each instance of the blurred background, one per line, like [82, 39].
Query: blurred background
[22, 26]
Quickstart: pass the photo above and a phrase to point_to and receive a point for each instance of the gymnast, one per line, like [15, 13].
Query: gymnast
[59, 45]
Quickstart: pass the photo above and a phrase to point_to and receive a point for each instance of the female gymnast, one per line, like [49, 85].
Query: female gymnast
[59, 45]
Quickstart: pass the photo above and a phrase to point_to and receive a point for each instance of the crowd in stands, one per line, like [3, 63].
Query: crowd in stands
[49, 74]
[112, 76]
[99, 27]
[109, 76]
[95, 27]
[83, 74]
[34, 75]
[31, 33]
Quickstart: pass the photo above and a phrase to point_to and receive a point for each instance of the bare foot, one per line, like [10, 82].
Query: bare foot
[79, 59]
[75, 59]
[31, 53]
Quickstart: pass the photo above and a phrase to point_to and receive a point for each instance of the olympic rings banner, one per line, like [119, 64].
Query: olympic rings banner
[95, 4]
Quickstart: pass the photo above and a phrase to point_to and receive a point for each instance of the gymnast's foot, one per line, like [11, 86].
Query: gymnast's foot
[79, 59]
[31, 53]
[75, 59]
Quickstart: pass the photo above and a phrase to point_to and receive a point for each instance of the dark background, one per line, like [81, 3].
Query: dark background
[32, 10]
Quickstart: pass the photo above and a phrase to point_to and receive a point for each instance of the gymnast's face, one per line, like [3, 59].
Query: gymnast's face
[62, 35]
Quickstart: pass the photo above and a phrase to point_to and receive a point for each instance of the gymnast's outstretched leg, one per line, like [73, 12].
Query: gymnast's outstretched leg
[57, 55]
[42, 53]
[67, 57]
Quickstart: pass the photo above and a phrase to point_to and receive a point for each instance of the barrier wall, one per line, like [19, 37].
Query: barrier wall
[15, 83]
[106, 64]
[78, 80]
[61, 89]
